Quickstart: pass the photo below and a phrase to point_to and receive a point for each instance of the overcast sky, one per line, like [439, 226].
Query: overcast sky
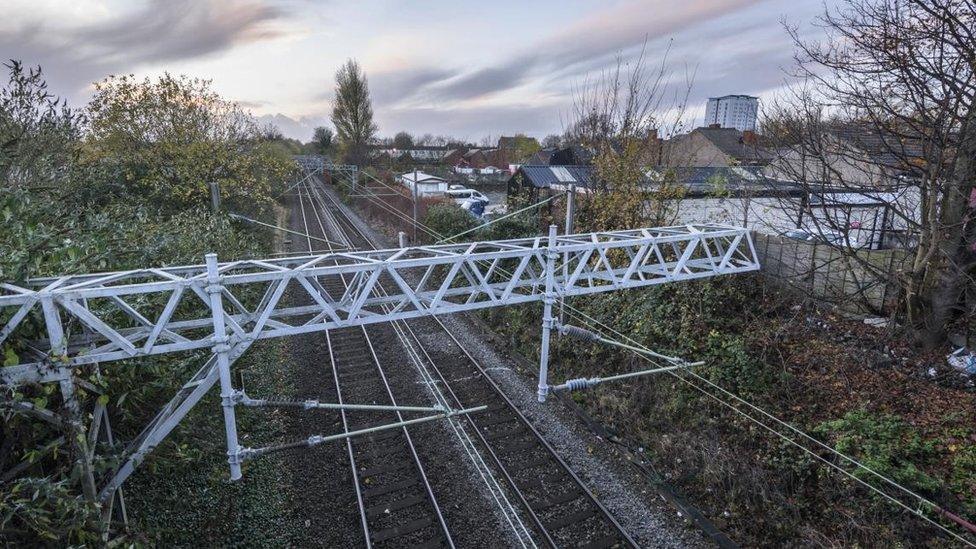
[466, 69]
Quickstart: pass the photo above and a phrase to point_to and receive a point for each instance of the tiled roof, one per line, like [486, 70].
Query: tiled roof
[730, 142]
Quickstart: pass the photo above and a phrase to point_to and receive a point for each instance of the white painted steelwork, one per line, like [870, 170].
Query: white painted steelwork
[147, 312]
[225, 307]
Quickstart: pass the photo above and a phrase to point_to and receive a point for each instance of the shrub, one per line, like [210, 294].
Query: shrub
[448, 219]
[885, 444]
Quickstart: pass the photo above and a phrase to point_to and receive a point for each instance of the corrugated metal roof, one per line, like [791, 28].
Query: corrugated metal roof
[707, 181]
[545, 176]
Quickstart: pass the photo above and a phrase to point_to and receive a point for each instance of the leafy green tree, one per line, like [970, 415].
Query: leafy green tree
[323, 140]
[352, 113]
[170, 138]
[523, 147]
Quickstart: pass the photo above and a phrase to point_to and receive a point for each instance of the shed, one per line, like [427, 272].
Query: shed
[426, 184]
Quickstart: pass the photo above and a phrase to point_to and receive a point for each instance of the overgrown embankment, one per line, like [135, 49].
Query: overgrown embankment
[125, 184]
[855, 388]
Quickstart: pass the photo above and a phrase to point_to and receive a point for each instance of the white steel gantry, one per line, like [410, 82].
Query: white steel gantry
[225, 307]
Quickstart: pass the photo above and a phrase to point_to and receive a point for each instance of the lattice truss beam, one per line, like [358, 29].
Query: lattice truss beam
[115, 316]
[226, 307]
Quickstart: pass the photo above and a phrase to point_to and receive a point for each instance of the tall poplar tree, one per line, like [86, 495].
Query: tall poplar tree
[352, 113]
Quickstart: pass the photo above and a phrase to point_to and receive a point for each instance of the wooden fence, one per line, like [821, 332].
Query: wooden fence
[865, 284]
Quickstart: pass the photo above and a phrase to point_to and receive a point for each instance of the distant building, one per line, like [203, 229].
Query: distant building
[732, 111]
[425, 184]
[714, 148]
[420, 154]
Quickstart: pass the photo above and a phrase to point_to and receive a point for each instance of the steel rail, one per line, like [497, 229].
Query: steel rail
[342, 413]
[386, 385]
[481, 434]
[401, 328]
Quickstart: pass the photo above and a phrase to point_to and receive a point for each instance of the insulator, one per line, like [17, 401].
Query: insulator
[578, 384]
[579, 333]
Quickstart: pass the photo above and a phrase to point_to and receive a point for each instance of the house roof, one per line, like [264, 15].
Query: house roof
[886, 149]
[423, 177]
[573, 155]
[718, 181]
[730, 141]
[541, 157]
[543, 177]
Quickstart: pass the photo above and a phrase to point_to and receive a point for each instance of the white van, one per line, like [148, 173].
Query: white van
[461, 194]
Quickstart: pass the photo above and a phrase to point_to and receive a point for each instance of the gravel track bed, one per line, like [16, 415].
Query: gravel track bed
[332, 510]
[320, 480]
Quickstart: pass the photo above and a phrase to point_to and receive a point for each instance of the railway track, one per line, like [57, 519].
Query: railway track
[560, 508]
[397, 506]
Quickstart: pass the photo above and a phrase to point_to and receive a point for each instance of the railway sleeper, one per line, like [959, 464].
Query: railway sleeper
[570, 519]
[389, 488]
[498, 419]
[509, 449]
[600, 543]
[389, 507]
[516, 432]
[397, 531]
[551, 501]
[381, 469]
[381, 453]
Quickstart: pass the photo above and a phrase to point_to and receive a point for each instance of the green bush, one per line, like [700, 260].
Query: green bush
[885, 444]
[448, 219]
[132, 197]
[519, 226]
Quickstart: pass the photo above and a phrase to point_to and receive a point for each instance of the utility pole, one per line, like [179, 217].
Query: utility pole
[214, 196]
[414, 192]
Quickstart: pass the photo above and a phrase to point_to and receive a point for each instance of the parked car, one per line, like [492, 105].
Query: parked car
[473, 207]
[461, 194]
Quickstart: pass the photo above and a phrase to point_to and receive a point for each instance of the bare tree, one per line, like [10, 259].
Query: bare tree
[620, 117]
[403, 140]
[352, 112]
[551, 141]
[886, 113]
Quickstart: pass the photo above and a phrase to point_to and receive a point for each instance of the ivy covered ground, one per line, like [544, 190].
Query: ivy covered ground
[851, 386]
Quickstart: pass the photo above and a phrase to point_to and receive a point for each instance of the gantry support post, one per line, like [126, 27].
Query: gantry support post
[75, 430]
[548, 321]
[221, 350]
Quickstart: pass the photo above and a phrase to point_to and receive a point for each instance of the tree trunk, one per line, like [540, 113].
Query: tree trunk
[946, 278]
